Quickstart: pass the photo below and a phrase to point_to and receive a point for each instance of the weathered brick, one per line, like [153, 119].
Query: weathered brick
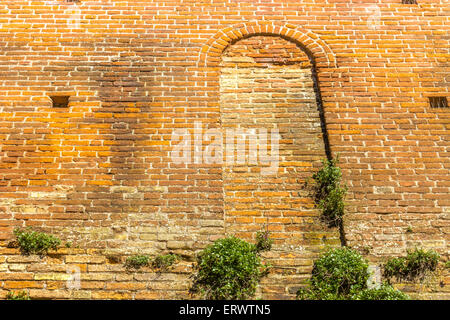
[100, 175]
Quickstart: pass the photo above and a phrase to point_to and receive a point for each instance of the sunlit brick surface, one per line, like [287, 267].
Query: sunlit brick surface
[99, 173]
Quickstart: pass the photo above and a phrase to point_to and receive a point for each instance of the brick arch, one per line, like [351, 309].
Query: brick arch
[320, 53]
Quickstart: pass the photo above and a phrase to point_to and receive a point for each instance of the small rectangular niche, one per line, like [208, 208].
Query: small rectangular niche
[438, 102]
[409, 1]
[60, 101]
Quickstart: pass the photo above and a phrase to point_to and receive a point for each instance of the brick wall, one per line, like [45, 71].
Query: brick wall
[100, 174]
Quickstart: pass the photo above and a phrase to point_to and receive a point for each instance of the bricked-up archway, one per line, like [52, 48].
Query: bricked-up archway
[277, 202]
[267, 82]
[319, 52]
[322, 58]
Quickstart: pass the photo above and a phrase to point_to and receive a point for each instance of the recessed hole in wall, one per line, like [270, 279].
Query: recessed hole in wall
[60, 101]
[409, 1]
[438, 102]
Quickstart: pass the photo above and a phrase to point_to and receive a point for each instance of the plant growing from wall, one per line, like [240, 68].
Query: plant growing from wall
[33, 242]
[263, 241]
[342, 274]
[329, 193]
[164, 262]
[228, 269]
[21, 295]
[137, 261]
[415, 266]
[385, 292]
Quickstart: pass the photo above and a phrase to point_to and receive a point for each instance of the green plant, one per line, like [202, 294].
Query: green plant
[68, 244]
[35, 242]
[414, 266]
[385, 292]
[342, 274]
[409, 229]
[21, 295]
[447, 265]
[228, 269]
[163, 262]
[329, 194]
[263, 241]
[137, 261]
